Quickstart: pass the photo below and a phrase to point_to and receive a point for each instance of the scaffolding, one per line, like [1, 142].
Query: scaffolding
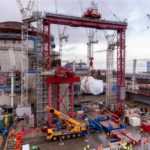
[110, 95]
[39, 70]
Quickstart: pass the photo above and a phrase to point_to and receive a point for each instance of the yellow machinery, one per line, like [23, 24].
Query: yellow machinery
[74, 128]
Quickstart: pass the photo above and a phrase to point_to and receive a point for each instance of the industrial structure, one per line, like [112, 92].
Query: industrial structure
[11, 37]
[42, 95]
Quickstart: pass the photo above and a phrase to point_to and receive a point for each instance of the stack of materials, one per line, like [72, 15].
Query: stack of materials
[80, 114]
[93, 107]
[132, 137]
[125, 136]
[134, 121]
[31, 121]
[126, 117]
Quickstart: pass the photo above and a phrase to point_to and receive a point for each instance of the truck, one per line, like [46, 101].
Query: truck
[73, 129]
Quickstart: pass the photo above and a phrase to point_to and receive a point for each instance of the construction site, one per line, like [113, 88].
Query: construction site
[54, 98]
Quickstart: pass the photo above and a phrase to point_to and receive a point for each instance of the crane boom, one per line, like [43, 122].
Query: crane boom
[25, 12]
[29, 8]
[64, 117]
[20, 8]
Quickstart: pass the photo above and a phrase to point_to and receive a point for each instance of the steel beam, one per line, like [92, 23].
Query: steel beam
[84, 22]
[46, 46]
[120, 70]
[62, 80]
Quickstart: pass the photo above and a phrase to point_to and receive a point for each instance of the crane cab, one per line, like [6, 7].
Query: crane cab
[52, 135]
[49, 134]
[92, 12]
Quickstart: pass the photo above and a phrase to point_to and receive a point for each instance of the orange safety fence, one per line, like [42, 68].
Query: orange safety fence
[18, 145]
[12, 134]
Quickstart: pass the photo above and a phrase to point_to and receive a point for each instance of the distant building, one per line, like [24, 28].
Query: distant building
[148, 66]
[78, 66]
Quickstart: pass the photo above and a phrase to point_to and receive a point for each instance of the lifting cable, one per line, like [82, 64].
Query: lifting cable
[110, 11]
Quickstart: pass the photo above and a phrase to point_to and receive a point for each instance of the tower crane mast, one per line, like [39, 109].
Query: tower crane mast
[110, 98]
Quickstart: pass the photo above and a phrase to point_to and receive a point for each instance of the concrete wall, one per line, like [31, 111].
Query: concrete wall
[4, 56]
[5, 98]
[15, 43]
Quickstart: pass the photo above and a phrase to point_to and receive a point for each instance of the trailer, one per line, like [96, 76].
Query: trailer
[109, 124]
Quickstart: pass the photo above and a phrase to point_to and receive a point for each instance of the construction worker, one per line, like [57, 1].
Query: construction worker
[124, 145]
[84, 148]
[15, 141]
[88, 146]
[99, 147]
[130, 146]
[121, 141]
[108, 134]
[141, 130]
[146, 142]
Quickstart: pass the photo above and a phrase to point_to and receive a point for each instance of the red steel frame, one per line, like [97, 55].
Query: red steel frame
[98, 24]
[120, 70]
[46, 46]
[51, 81]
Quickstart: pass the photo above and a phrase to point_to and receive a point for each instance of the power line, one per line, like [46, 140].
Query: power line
[110, 11]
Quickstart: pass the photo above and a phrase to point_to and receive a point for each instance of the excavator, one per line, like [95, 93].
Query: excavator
[74, 128]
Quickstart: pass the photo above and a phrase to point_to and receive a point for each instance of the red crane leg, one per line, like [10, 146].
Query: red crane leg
[120, 70]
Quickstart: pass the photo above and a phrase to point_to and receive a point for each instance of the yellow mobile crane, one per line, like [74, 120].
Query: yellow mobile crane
[74, 128]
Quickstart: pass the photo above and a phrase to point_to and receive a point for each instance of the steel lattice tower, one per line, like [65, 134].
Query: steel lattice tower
[110, 95]
[39, 69]
[24, 66]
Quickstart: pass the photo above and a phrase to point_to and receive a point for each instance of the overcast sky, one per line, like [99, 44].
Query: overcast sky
[137, 34]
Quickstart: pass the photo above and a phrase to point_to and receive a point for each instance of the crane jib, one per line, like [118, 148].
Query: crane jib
[64, 116]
